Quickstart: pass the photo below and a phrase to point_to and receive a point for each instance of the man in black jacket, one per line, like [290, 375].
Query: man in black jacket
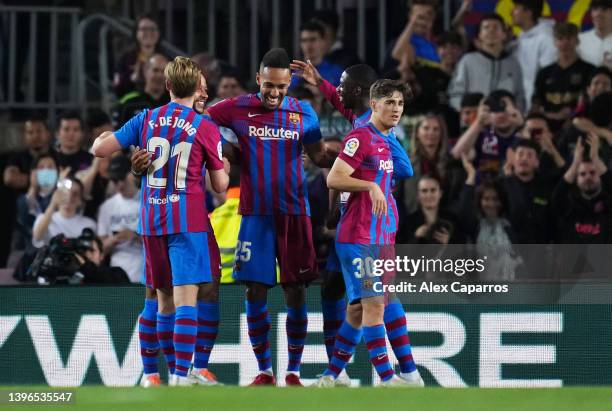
[582, 200]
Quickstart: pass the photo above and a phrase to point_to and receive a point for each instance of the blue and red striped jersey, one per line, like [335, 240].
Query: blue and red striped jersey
[367, 151]
[272, 179]
[182, 142]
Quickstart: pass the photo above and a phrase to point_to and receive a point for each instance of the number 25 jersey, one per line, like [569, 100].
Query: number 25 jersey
[181, 142]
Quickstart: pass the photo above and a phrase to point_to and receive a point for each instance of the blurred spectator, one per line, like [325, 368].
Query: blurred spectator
[528, 193]
[582, 200]
[43, 179]
[213, 68]
[303, 93]
[489, 68]
[428, 85]
[229, 86]
[70, 136]
[429, 156]
[63, 215]
[600, 82]
[37, 141]
[95, 179]
[416, 40]
[537, 129]
[118, 220]
[598, 121]
[450, 50]
[312, 44]
[482, 211]
[468, 112]
[596, 44]
[129, 74]
[92, 270]
[430, 224]
[534, 49]
[335, 51]
[152, 95]
[493, 133]
[558, 86]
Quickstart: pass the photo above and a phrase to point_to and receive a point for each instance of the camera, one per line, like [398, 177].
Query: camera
[57, 262]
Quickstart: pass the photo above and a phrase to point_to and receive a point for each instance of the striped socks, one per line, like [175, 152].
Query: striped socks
[259, 325]
[147, 335]
[296, 326]
[334, 312]
[344, 347]
[208, 328]
[185, 331]
[397, 332]
[377, 347]
[165, 333]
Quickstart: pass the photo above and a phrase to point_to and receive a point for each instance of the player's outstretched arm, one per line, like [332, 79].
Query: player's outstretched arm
[311, 75]
[321, 154]
[339, 178]
[106, 144]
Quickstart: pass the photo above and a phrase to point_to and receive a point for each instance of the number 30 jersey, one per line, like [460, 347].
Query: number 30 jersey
[181, 142]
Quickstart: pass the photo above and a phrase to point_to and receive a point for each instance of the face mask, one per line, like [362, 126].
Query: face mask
[46, 177]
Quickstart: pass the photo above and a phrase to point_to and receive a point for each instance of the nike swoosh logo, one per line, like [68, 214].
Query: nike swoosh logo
[302, 271]
[380, 149]
[382, 357]
[253, 115]
[151, 351]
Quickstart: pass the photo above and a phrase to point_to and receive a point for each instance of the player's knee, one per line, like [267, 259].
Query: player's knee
[256, 292]
[150, 293]
[333, 286]
[354, 314]
[165, 301]
[295, 294]
[373, 312]
[209, 292]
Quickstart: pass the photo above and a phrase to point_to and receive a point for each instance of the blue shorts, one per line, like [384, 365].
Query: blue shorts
[176, 259]
[264, 240]
[361, 277]
[333, 263]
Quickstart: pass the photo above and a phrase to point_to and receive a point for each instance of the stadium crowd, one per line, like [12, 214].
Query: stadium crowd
[510, 138]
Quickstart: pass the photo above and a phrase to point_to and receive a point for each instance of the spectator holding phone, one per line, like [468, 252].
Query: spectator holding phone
[488, 139]
[430, 224]
[537, 129]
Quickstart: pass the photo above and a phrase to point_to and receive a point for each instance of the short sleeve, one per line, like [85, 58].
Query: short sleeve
[129, 134]
[220, 112]
[104, 220]
[354, 151]
[312, 131]
[212, 146]
[402, 167]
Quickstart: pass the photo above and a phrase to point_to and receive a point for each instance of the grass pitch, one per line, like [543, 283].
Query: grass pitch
[336, 399]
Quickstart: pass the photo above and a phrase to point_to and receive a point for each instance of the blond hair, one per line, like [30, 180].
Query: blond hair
[183, 74]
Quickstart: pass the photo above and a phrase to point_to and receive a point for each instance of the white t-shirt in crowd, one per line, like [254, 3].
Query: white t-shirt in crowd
[593, 49]
[117, 214]
[71, 227]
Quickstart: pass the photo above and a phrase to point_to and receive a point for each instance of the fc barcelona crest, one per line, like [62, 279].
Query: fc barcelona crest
[294, 118]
